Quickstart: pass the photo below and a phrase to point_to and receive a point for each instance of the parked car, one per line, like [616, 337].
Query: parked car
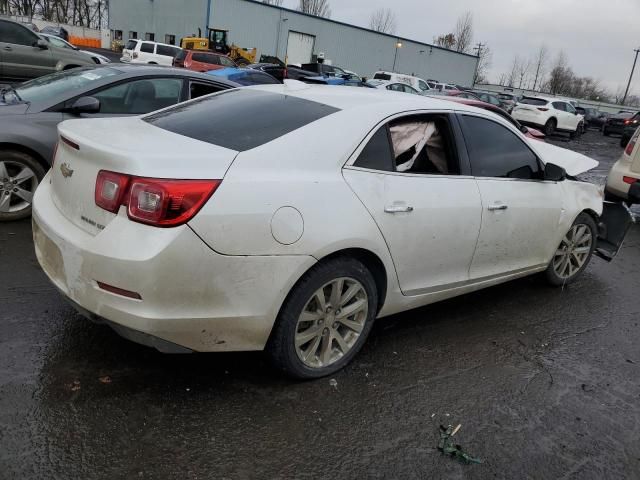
[202, 61]
[528, 132]
[324, 69]
[446, 88]
[393, 86]
[508, 101]
[282, 72]
[30, 113]
[549, 113]
[58, 31]
[623, 181]
[589, 114]
[336, 81]
[630, 126]
[59, 42]
[25, 55]
[416, 82]
[244, 76]
[232, 247]
[489, 98]
[154, 53]
[599, 120]
[462, 94]
[615, 124]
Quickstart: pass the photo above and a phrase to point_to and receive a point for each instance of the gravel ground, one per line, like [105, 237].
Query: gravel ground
[545, 383]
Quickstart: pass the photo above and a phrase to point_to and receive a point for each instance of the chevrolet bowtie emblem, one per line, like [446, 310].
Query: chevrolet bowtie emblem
[66, 171]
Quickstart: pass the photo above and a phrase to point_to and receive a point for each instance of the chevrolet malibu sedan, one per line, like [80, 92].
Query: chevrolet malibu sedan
[287, 218]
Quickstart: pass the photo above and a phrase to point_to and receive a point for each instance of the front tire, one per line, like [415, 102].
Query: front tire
[578, 133]
[325, 320]
[574, 252]
[20, 175]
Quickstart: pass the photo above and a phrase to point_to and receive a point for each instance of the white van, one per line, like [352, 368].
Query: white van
[142, 51]
[416, 82]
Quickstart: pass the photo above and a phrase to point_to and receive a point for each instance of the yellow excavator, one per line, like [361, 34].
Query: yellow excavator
[217, 42]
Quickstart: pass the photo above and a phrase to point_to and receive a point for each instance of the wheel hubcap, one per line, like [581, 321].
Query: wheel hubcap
[17, 186]
[573, 251]
[331, 322]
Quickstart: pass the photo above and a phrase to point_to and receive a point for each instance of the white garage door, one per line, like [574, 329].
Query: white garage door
[300, 47]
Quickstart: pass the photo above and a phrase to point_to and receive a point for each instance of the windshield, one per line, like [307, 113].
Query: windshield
[54, 84]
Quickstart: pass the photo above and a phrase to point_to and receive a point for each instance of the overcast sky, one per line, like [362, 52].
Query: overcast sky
[598, 36]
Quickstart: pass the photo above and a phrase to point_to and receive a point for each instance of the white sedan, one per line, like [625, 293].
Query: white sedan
[288, 218]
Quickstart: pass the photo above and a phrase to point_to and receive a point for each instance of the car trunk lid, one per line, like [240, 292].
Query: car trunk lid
[129, 146]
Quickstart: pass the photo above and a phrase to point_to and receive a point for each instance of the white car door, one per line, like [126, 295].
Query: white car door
[147, 52]
[573, 119]
[427, 212]
[521, 211]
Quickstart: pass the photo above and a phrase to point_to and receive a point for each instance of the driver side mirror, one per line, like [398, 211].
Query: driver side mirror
[41, 44]
[85, 105]
[554, 173]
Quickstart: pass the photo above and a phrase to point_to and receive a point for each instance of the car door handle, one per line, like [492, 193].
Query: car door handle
[497, 206]
[398, 209]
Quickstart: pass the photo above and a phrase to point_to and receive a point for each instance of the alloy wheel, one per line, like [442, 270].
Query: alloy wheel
[18, 183]
[573, 252]
[331, 322]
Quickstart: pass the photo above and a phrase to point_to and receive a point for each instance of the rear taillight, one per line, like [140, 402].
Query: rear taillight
[154, 201]
[627, 122]
[543, 109]
[630, 146]
[111, 189]
[629, 180]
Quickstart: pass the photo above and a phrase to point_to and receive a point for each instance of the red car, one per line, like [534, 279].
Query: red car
[528, 131]
[202, 61]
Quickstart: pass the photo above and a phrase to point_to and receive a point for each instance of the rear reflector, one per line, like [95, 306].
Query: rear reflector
[630, 146]
[154, 201]
[629, 180]
[66, 141]
[118, 291]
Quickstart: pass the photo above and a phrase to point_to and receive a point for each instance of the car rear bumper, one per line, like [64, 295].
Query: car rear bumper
[191, 298]
[615, 183]
[617, 129]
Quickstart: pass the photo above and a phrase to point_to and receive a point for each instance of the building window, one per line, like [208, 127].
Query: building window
[170, 39]
[117, 34]
[133, 34]
[150, 36]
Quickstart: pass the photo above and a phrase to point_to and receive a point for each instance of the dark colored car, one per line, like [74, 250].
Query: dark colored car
[589, 115]
[56, 31]
[324, 69]
[598, 121]
[463, 94]
[528, 131]
[616, 124]
[244, 76]
[281, 72]
[630, 127]
[488, 98]
[30, 113]
[202, 61]
[508, 100]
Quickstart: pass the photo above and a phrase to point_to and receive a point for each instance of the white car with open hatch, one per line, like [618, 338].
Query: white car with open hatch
[288, 218]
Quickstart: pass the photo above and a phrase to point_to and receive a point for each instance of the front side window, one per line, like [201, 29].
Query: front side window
[197, 89]
[131, 45]
[495, 151]
[422, 85]
[16, 34]
[227, 62]
[147, 47]
[139, 96]
[570, 108]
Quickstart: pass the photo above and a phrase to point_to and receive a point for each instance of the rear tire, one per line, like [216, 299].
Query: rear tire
[574, 252]
[550, 127]
[16, 198]
[311, 337]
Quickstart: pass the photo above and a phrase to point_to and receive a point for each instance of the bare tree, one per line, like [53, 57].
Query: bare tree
[512, 76]
[277, 3]
[447, 40]
[502, 79]
[523, 71]
[540, 63]
[561, 75]
[383, 20]
[319, 8]
[464, 32]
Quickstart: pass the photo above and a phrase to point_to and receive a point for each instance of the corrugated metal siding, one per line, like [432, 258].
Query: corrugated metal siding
[267, 28]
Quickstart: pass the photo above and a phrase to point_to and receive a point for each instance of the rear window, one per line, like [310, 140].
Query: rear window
[538, 102]
[167, 51]
[240, 119]
[131, 45]
[382, 76]
[182, 54]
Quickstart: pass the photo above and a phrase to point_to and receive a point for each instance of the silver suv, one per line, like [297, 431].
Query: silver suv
[24, 55]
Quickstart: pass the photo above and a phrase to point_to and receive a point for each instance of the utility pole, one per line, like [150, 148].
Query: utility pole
[478, 48]
[626, 92]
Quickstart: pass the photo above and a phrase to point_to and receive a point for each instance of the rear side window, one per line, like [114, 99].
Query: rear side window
[205, 58]
[146, 47]
[240, 119]
[538, 102]
[495, 151]
[131, 45]
[182, 54]
[167, 51]
[16, 34]
[377, 154]
[422, 85]
[382, 76]
[560, 106]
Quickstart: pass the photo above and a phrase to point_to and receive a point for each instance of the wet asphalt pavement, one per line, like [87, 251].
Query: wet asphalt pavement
[545, 382]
